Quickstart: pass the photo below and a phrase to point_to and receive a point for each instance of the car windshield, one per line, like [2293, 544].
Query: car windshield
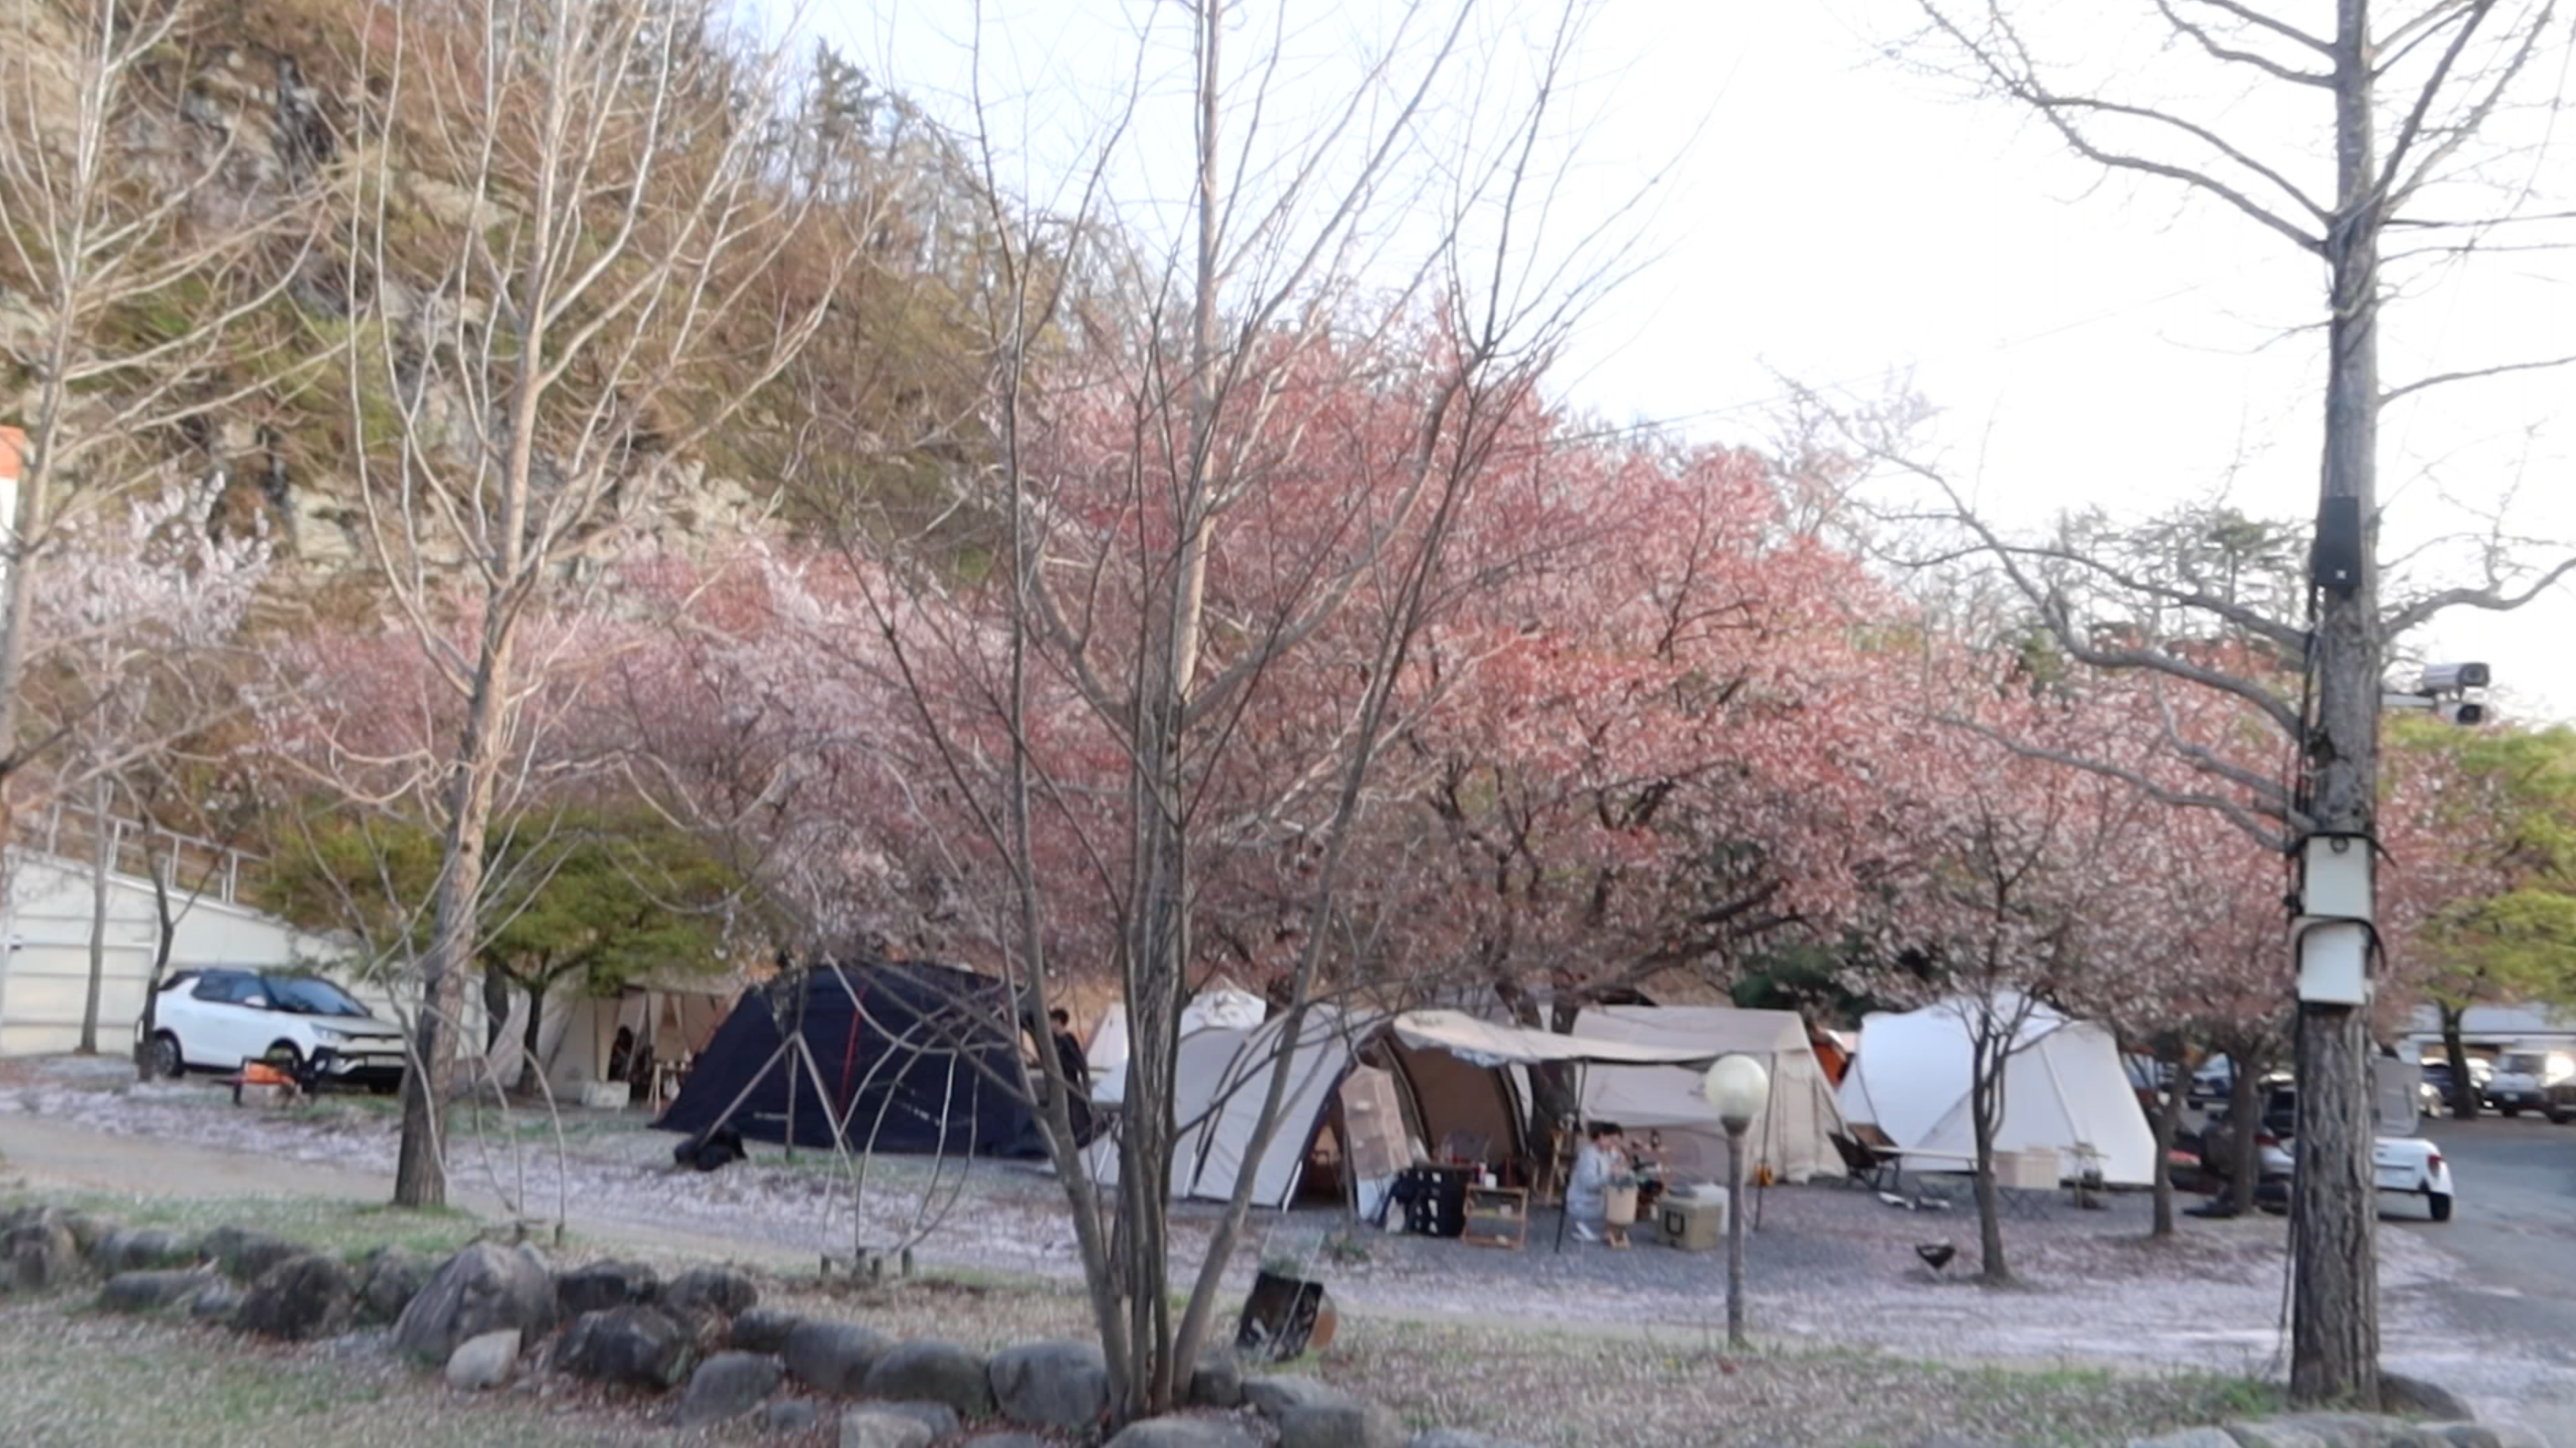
[2520, 1064]
[305, 996]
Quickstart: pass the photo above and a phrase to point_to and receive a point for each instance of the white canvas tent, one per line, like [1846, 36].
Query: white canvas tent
[2064, 1088]
[1219, 1008]
[579, 1036]
[1793, 1137]
[1446, 1088]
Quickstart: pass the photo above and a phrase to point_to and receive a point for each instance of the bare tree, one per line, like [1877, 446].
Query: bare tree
[1346, 306]
[2413, 99]
[142, 255]
[546, 360]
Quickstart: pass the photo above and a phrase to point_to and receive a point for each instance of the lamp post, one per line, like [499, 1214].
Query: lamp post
[1738, 1087]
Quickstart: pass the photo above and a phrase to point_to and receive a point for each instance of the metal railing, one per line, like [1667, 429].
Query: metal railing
[187, 864]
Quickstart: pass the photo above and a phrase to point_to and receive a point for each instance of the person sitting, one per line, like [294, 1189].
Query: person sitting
[1587, 1192]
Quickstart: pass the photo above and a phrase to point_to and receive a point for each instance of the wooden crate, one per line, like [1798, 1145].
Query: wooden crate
[1497, 1216]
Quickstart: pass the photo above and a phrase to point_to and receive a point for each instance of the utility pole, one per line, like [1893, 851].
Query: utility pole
[2334, 1321]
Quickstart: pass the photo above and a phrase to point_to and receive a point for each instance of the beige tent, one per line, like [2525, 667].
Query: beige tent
[664, 1026]
[1794, 1138]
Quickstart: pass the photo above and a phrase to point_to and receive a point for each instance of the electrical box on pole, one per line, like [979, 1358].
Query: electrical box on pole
[2334, 929]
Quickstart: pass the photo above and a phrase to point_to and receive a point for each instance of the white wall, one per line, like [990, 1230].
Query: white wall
[44, 972]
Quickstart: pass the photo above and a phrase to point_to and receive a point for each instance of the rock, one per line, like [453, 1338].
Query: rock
[1051, 1384]
[1461, 1438]
[150, 1291]
[88, 1229]
[724, 1290]
[1275, 1396]
[762, 1329]
[603, 1285]
[483, 1363]
[876, 1428]
[833, 1357]
[939, 1418]
[39, 1254]
[635, 1346]
[927, 1371]
[141, 1249]
[795, 1415]
[2273, 1433]
[300, 1299]
[2188, 1438]
[390, 1279]
[217, 1301]
[1341, 1425]
[481, 1289]
[2467, 1435]
[1182, 1433]
[2416, 1398]
[2350, 1430]
[245, 1255]
[1007, 1438]
[728, 1385]
[1217, 1382]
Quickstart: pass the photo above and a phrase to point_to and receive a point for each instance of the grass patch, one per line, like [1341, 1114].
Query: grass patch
[72, 1379]
[346, 1228]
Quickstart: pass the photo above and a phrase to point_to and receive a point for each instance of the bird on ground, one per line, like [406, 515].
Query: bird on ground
[1935, 1255]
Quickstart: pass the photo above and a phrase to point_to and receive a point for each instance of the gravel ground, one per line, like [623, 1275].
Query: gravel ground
[1830, 1269]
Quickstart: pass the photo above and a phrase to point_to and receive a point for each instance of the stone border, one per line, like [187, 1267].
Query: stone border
[490, 1313]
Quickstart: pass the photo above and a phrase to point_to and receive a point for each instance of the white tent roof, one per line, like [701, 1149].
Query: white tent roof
[1794, 1137]
[2064, 1088]
[1220, 1007]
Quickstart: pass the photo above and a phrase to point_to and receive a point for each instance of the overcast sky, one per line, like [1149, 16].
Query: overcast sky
[1839, 219]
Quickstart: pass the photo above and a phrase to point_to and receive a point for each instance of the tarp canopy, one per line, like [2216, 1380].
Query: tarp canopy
[1793, 1138]
[2063, 1088]
[913, 1058]
[1492, 1043]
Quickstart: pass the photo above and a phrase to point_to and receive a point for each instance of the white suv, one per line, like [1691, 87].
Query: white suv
[214, 1020]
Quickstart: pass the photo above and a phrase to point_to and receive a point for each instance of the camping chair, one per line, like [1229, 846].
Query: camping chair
[1870, 1159]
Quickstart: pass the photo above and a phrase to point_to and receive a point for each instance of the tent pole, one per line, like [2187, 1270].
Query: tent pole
[725, 1116]
[1565, 1201]
[796, 1034]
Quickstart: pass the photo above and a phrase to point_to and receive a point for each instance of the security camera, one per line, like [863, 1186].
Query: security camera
[2451, 678]
[2462, 711]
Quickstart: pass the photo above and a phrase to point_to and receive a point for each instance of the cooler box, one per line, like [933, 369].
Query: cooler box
[1693, 1224]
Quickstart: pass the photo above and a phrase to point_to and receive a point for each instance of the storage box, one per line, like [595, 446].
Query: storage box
[2034, 1170]
[604, 1095]
[1693, 1224]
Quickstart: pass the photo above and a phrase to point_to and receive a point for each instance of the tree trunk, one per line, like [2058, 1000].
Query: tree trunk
[496, 1007]
[103, 864]
[2464, 1091]
[420, 1167]
[2164, 1121]
[165, 933]
[2244, 1122]
[530, 1042]
[1984, 1087]
[2334, 1320]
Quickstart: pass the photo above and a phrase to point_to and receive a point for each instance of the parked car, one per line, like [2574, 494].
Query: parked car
[215, 1020]
[2520, 1083]
[2559, 1100]
[2405, 1164]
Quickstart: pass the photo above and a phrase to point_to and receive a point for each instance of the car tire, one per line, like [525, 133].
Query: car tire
[285, 1057]
[2509, 1112]
[385, 1088]
[2440, 1205]
[165, 1059]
